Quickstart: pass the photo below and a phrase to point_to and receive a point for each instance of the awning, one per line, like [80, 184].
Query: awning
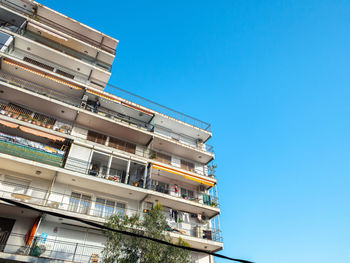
[41, 73]
[9, 124]
[41, 134]
[31, 233]
[184, 174]
[115, 99]
[32, 131]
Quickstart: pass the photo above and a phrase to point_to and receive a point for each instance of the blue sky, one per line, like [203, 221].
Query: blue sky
[273, 79]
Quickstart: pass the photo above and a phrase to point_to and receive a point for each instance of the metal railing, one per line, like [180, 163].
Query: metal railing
[35, 118]
[119, 91]
[68, 51]
[47, 92]
[183, 223]
[80, 166]
[177, 191]
[121, 117]
[116, 116]
[77, 165]
[182, 138]
[159, 108]
[52, 248]
[30, 153]
[58, 27]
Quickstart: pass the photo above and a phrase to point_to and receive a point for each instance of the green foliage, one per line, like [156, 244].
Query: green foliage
[121, 248]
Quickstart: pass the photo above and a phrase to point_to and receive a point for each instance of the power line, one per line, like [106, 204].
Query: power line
[120, 231]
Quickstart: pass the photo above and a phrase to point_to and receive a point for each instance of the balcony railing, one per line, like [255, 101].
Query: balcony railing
[186, 225]
[159, 108]
[116, 116]
[50, 248]
[22, 114]
[21, 30]
[81, 166]
[23, 148]
[47, 92]
[58, 27]
[191, 195]
[118, 91]
[182, 138]
[58, 47]
[11, 147]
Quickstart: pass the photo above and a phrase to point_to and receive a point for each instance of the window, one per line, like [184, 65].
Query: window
[79, 203]
[160, 187]
[187, 165]
[122, 145]
[105, 208]
[187, 194]
[161, 157]
[38, 64]
[96, 137]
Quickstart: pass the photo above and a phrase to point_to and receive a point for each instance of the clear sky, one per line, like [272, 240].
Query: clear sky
[273, 79]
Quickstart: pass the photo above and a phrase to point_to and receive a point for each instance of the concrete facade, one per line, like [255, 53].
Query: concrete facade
[68, 146]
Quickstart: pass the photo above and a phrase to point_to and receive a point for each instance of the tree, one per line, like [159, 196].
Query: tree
[127, 249]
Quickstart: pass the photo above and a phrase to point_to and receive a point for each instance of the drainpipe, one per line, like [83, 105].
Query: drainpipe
[51, 187]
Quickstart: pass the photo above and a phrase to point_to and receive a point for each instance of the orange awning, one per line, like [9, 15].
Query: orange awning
[9, 124]
[184, 174]
[41, 134]
[31, 233]
[41, 73]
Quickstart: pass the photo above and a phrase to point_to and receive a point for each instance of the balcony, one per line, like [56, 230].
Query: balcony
[53, 21]
[40, 90]
[47, 249]
[35, 118]
[99, 209]
[69, 65]
[184, 165]
[116, 112]
[65, 50]
[176, 190]
[100, 166]
[35, 151]
[85, 107]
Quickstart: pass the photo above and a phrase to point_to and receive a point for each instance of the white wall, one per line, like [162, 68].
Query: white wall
[62, 192]
[202, 258]
[79, 132]
[24, 222]
[78, 158]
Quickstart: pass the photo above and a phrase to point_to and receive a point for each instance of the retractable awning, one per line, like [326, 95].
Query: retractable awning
[184, 174]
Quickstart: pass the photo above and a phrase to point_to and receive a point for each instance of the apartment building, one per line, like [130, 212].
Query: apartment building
[68, 146]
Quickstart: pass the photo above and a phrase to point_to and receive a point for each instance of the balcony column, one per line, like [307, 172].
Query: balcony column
[50, 189]
[148, 176]
[109, 165]
[127, 172]
[145, 176]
